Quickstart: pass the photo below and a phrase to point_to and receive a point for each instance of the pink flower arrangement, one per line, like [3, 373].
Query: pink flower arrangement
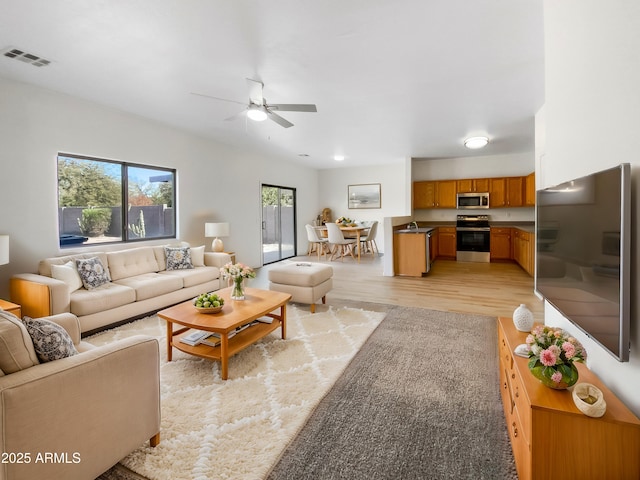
[235, 270]
[554, 350]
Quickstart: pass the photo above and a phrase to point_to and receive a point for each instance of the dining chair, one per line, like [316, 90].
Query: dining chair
[368, 242]
[320, 244]
[339, 242]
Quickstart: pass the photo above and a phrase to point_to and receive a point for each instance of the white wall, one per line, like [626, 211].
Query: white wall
[485, 166]
[394, 182]
[215, 182]
[590, 122]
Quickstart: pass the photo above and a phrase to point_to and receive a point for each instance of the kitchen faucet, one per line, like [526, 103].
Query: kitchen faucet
[414, 223]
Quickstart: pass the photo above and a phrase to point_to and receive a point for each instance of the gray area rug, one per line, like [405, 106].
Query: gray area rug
[420, 400]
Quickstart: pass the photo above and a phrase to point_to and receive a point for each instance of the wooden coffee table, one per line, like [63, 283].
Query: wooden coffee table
[234, 314]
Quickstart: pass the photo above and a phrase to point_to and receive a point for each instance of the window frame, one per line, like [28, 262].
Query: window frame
[126, 236]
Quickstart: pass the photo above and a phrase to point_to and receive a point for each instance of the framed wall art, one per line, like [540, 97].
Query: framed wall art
[364, 196]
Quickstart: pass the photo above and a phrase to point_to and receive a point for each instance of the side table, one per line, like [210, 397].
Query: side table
[11, 307]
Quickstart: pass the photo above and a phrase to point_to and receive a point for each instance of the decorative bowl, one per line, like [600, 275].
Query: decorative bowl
[589, 400]
[209, 309]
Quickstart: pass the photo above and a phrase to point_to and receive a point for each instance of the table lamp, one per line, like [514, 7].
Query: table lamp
[216, 230]
[4, 249]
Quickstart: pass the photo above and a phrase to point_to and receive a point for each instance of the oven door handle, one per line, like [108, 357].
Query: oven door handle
[473, 229]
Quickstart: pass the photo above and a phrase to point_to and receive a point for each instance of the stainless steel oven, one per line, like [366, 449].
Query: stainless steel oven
[473, 236]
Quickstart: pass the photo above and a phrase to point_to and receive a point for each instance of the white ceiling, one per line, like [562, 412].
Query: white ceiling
[391, 78]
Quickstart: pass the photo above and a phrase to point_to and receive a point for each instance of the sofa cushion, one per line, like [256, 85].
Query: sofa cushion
[149, 285]
[197, 256]
[178, 258]
[106, 297]
[68, 273]
[129, 263]
[92, 272]
[50, 340]
[44, 267]
[16, 348]
[194, 276]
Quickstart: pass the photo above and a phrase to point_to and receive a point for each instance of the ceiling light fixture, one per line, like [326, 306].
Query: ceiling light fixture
[476, 142]
[257, 113]
[338, 158]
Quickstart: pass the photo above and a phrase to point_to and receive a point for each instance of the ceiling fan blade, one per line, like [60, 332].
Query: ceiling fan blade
[293, 107]
[255, 91]
[238, 115]
[279, 120]
[217, 98]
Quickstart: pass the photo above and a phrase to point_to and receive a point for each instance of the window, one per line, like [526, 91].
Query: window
[102, 201]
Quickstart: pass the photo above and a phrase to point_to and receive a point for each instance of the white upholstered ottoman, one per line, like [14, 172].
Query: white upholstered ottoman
[306, 282]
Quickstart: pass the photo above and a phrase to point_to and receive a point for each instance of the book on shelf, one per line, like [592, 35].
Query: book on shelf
[194, 337]
[213, 339]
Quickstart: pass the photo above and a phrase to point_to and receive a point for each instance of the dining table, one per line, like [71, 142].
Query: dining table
[350, 230]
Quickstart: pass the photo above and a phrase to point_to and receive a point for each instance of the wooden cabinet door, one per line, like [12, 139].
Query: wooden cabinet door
[465, 186]
[446, 194]
[481, 185]
[497, 192]
[410, 253]
[515, 191]
[500, 244]
[424, 194]
[447, 242]
[530, 190]
[433, 246]
[523, 250]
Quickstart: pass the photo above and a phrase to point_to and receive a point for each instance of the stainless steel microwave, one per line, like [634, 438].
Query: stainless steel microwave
[472, 200]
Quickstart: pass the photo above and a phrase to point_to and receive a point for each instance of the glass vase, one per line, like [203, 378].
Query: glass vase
[568, 371]
[237, 291]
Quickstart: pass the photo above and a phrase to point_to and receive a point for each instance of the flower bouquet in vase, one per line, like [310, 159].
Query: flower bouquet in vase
[236, 273]
[552, 353]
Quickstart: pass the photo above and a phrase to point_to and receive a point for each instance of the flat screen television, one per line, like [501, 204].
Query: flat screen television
[583, 254]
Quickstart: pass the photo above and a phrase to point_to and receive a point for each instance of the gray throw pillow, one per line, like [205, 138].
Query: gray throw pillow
[92, 272]
[50, 340]
[178, 258]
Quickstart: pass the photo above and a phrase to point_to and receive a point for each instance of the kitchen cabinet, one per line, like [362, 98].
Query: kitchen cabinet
[497, 192]
[605, 447]
[472, 185]
[524, 250]
[433, 246]
[446, 194]
[530, 190]
[501, 243]
[434, 194]
[424, 194]
[447, 242]
[410, 254]
[515, 191]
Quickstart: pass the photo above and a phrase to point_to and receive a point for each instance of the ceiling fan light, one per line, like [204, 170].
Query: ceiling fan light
[476, 142]
[257, 113]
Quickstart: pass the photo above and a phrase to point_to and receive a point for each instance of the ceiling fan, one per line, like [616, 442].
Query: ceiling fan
[258, 109]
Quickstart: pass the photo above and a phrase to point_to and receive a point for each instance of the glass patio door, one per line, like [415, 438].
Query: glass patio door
[278, 223]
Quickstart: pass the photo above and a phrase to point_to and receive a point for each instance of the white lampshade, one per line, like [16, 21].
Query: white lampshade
[4, 249]
[216, 230]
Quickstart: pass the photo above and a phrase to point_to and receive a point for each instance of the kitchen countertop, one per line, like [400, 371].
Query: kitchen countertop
[524, 226]
[425, 227]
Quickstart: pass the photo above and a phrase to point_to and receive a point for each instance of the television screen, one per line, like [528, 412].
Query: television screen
[583, 248]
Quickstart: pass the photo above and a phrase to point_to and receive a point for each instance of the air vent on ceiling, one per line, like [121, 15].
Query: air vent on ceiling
[26, 57]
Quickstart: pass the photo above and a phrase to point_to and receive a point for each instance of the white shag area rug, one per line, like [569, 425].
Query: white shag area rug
[236, 429]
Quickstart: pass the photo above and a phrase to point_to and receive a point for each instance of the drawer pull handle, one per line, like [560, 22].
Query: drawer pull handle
[515, 429]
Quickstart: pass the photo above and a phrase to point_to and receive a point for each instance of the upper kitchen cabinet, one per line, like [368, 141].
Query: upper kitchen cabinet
[530, 190]
[506, 192]
[424, 194]
[434, 194]
[472, 185]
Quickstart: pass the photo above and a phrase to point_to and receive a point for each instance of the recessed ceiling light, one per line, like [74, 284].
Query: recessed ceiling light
[476, 142]
[338, 158]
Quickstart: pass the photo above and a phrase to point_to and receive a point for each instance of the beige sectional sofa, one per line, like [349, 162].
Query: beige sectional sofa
[140, 283]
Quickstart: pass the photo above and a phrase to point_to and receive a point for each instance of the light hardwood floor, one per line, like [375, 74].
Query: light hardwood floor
[494, 289]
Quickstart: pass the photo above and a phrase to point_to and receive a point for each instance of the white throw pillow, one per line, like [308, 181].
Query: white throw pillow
[68, 273]
[197, 256]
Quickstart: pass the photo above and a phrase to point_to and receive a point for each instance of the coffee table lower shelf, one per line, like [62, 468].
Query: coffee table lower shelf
[235, 344]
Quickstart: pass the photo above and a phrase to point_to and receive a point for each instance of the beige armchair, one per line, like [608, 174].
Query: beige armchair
[76, 417]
